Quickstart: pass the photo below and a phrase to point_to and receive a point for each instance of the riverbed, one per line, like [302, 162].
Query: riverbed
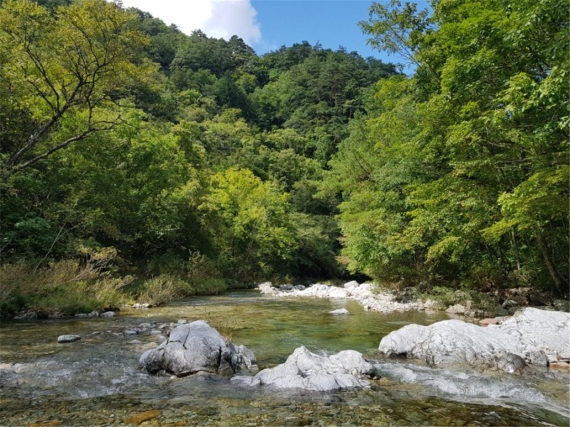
[95, 381]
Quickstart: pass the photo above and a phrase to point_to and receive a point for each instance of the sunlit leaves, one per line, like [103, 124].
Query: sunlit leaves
[255, 230]
[83, 59]
[485, 145]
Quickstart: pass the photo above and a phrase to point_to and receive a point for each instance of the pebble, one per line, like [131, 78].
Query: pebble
[141, 417]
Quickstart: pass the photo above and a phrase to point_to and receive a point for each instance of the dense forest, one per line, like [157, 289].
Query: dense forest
[140, 162]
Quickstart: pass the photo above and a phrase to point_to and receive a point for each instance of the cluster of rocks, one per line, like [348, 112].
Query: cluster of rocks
[159, 331]
[196, 347]
[509, 301]
[515, 298]
[33, 315]
[508, 307]
[532, 336]
[363, 293]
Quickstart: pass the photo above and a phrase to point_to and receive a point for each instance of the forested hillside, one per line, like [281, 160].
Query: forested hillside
[135, 158]
[127, 143]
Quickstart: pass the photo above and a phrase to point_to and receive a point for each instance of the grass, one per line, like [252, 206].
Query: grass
[84, 285]
[165, 288]
[66, 287]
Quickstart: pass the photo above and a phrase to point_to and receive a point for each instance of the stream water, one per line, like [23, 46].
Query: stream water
[95, 381]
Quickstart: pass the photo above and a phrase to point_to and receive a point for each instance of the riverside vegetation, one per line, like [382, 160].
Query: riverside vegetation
[143, 164]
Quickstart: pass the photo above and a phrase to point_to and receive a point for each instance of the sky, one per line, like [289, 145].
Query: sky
[267, 25]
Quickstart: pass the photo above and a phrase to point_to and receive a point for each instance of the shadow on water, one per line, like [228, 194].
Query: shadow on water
[96, 381]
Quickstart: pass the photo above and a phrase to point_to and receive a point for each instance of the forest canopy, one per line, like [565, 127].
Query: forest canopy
[195, 157]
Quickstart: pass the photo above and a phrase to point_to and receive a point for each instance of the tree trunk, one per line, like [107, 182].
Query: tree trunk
[551, 268]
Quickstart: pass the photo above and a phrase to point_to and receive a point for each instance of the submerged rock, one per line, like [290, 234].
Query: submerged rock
[309, 371]
[197, 347]
[489, 321]
[532, 334]
[339, 312]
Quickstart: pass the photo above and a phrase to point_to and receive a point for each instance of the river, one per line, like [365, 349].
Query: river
[95, 381]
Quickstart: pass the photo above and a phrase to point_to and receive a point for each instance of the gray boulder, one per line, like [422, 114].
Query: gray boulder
[308, 371]
[456, 309]
[530, 334]
[197, 347]
[64, 339]
[108, 314]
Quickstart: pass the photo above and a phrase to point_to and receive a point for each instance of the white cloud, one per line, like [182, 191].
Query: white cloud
[216, 18]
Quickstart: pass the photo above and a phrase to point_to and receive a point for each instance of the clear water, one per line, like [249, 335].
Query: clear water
[95, 381]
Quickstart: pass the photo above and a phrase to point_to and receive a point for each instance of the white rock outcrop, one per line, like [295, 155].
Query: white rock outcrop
[363, 293]
[309, 371]
[530, 334]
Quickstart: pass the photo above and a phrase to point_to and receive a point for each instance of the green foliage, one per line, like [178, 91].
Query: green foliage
[317, 95]
[196, 159]
[64, 98]
[252, 227]
[469, 178]
[67, 286]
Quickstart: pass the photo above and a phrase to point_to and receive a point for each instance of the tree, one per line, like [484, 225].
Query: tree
[484, 152]
[252, 225]
[62, 77]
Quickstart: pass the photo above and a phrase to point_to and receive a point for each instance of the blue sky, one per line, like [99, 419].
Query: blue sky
[267, 25]
[332, 23]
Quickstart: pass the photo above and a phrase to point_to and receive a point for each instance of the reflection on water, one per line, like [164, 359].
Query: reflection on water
[96, 382]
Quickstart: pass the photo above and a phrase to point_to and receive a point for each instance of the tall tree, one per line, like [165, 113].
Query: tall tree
[59, 99]
[491, 128]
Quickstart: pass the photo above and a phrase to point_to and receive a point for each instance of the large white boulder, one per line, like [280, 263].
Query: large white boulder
[527, 334]
[309, 371]
[197, 347]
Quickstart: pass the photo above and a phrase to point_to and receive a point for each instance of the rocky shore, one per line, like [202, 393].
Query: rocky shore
[500, 306]
[364, 293]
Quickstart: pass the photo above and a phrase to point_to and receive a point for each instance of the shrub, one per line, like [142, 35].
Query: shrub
[160, 290]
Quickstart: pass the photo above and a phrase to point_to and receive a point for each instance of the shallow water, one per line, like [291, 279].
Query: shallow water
[96, 382]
